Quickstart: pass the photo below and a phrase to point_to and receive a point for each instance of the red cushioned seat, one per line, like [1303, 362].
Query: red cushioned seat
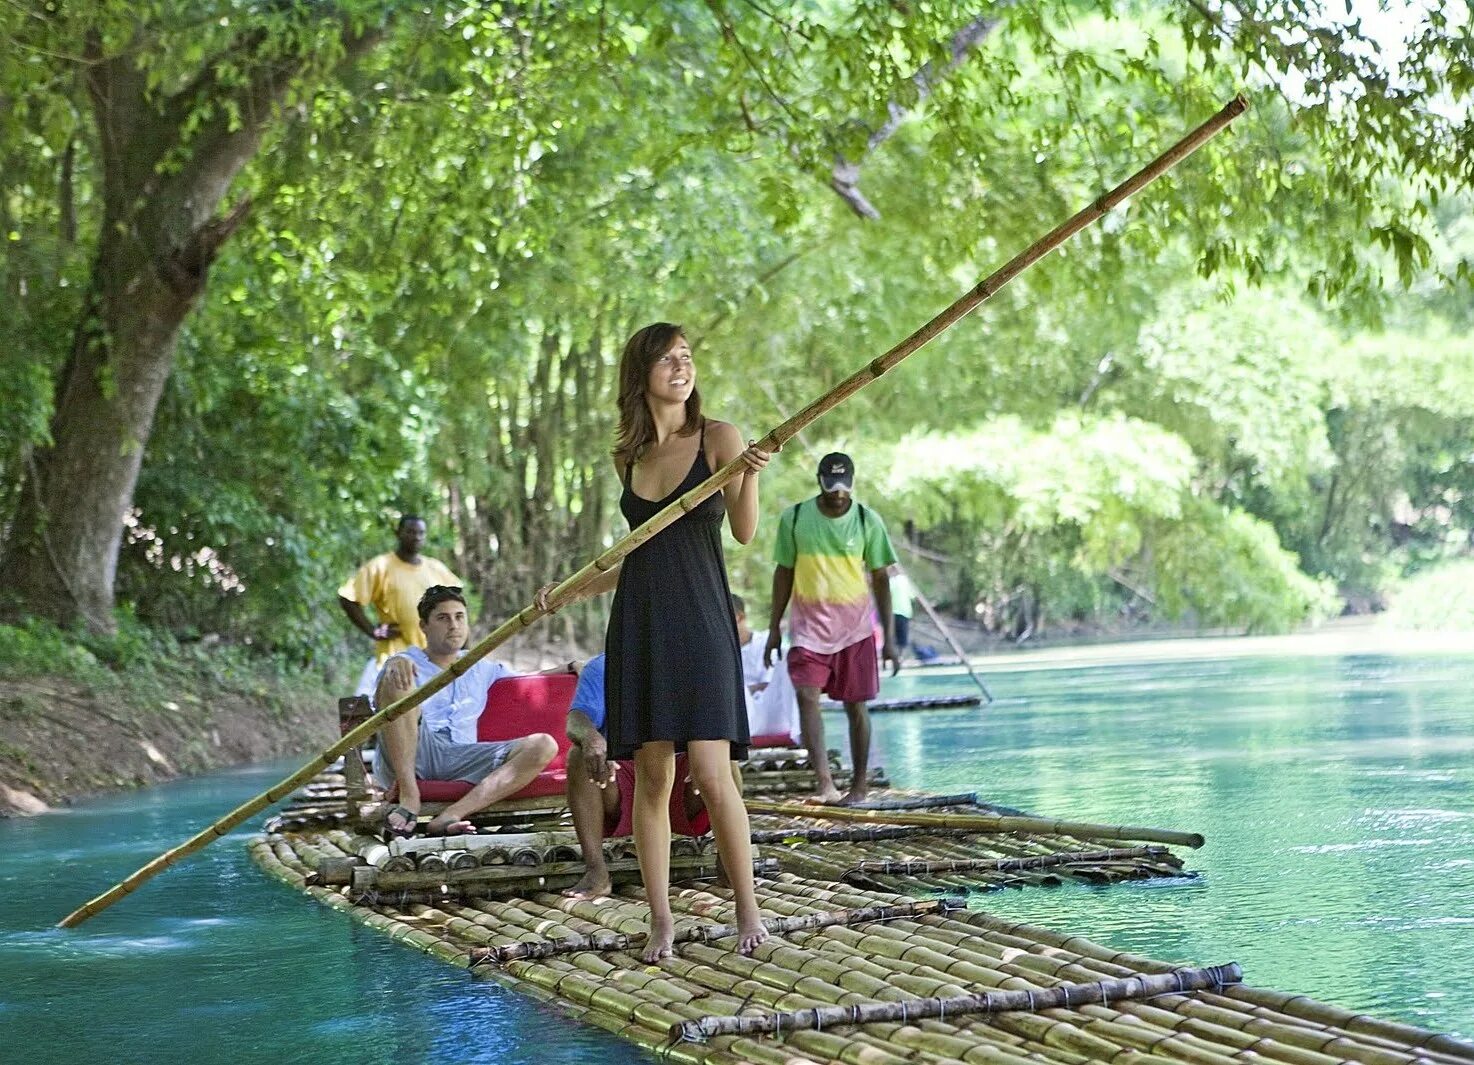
[517, 707]
[520, 706]
[772, 739]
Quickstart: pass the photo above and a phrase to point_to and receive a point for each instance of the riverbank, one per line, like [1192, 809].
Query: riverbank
[83, 715]
[61, 739]
[1365, 635]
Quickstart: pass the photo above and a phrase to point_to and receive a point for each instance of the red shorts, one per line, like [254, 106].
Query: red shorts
[851, 675]
[680, 824]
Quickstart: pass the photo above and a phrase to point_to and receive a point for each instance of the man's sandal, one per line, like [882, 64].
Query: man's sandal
[409, 823]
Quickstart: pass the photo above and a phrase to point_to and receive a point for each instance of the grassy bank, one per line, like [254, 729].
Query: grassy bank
[81, 713]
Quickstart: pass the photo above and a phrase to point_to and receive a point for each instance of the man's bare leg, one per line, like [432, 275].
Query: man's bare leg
[400, 740]
[530, 756]
[811, 725]
[859, 715]
[590, 806]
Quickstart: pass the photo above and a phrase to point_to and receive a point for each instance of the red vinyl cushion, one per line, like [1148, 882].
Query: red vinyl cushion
[772, 739]
[517, 707]
[520, 706]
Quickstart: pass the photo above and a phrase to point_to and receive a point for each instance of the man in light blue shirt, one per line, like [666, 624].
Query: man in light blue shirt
[437, 739]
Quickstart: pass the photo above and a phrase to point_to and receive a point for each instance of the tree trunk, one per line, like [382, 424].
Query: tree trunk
[63, 551]
[159, 233]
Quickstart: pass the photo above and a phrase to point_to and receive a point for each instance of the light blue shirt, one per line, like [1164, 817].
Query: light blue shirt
[456, 707]
[588, 697]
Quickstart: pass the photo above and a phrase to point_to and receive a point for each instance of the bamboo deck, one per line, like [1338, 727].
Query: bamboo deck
[823, 881]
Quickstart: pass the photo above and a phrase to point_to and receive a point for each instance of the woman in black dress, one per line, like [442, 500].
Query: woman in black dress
[673, 678]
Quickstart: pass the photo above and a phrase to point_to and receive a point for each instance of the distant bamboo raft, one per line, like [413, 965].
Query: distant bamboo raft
[1066, 996]
[979, 822]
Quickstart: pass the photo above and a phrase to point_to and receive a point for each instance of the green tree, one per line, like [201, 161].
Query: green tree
[462, 212]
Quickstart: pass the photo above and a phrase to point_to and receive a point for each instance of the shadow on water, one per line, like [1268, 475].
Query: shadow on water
[213, 961]
[1336, 795]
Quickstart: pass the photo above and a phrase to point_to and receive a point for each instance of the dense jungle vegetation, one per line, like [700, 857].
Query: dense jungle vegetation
[276, 271]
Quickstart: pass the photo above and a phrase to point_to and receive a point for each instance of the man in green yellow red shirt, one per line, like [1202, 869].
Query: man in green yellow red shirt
[832, 554]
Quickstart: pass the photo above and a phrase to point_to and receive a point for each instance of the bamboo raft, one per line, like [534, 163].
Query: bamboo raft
[903, 841]
[852, 974]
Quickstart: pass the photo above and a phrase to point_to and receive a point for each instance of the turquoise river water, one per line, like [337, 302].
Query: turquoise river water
[1336, 795]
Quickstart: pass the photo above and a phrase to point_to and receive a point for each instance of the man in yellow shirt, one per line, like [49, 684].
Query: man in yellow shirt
[392, 583]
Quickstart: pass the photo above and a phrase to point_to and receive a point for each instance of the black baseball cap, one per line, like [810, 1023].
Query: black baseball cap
[837, 470]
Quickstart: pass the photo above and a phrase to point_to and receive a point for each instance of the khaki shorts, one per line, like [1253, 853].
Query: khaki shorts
[437, 757]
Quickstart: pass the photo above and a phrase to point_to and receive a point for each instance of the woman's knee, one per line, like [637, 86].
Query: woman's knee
[653, 781]
[711, 770]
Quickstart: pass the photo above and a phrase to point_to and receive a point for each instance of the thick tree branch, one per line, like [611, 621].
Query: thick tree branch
[844, 177]
[116, 90]
[757, 283]
[186, 231]
[239, 116]
[66, 194]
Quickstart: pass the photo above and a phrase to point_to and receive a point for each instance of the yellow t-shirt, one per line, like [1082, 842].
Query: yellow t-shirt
[393, 587]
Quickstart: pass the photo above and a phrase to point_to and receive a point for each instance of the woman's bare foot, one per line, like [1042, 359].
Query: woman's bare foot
[853, 797]
[750, 932]
[661, 942]
[591, 886]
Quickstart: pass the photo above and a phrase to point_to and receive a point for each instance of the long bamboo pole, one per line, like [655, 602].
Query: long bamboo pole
[951, 642]
[569, 589]
[1065, 996]
[924, 867]
[856, 834]
[980, 823]
[919, 802]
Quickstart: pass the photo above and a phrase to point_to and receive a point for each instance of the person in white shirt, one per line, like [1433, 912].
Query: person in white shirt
[437, 739]
[772, 704]
[755, 675]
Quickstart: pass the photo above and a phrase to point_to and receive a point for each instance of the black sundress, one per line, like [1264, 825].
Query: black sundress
[673, 669]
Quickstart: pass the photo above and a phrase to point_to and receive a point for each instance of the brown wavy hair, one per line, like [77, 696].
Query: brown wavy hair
[636, 430]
